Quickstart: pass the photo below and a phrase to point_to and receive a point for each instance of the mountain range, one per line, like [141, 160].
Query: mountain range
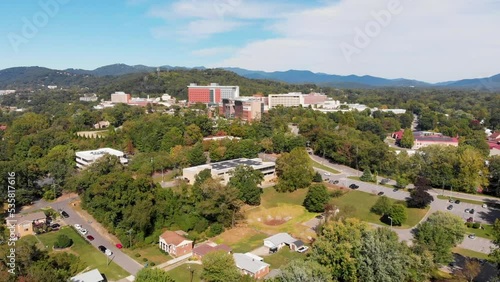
[19, 76]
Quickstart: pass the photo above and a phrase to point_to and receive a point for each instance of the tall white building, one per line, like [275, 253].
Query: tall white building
[294, 99]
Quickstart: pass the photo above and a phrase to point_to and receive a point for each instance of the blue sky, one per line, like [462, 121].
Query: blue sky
[426, 39]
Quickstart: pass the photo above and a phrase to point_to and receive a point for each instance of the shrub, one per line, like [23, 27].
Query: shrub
[476, 225]
[317, 177]
[382, 206]
[144, 259]
[368, 176]
[468, 224]
[336, 193]
[152, 264]
[215, 229]
[137, 255]
[316, 199]
[63, 241]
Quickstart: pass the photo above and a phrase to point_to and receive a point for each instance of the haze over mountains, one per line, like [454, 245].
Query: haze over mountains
[23, 75]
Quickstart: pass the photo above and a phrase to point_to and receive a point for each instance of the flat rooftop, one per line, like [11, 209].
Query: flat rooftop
[91, 154]
[231, 164]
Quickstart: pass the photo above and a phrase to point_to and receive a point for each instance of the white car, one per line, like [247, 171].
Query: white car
[83, 231]
[327, 174]
[302, 249]
[77, 226]
[108, 252]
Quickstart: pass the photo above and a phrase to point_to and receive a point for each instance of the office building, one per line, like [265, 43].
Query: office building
[86, 158]
[211, 94]
[120, 97]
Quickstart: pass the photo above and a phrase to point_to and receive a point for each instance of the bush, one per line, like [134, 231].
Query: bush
[468, 224]
[215, 229]
[152, 264]
[317, 177]
[63, 241]
[144, 259]
[137, 255]
[368, 176]
[336, 193]
[476, 225]
[382, 206]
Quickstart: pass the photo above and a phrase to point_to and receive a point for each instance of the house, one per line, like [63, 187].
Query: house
[175, 244]
[102, 124]
[278, 241]
[25, 224]
[426, 138]
[250, 266]
[201, 250]
[89, 276]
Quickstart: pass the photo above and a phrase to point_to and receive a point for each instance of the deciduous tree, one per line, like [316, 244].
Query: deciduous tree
[294, 170]
[219, 267]
[247, 181]
[316, 199]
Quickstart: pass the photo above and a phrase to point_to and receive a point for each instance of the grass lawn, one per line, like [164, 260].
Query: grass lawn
[283, 257]
[469, 253]
[167, 176]
[461, 200]
[324, 167]
[487, 232]
[241, 239]
[362, 203]
[182, 272]
[270, 198]
[92, 257]
[151, 252]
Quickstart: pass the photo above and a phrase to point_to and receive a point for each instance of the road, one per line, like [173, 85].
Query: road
[120, 258]
[482, 215]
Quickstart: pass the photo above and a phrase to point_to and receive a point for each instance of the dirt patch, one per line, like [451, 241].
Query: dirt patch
[274, 221]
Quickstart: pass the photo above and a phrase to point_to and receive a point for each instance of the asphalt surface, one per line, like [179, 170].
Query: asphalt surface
[120, 258]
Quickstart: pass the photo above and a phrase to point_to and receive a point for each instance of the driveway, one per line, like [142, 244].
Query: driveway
[124, 261]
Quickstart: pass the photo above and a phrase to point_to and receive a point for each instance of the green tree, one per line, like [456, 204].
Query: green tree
[294, 170]
[382, 206]
[439, 233]
[192, 135]
[304, 271]
[316, 199]
[172, 138]
[398, 213]
[407, 140]
[196, 155]
[317, 177]
[367, 176]
[247, 181]
[219, 267]
[153, 275]
[219, 203]
[63, 241]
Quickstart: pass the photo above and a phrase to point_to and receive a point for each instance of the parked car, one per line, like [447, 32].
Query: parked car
[55, 226]
[335, 182]
[395, 190]
[77, 226]
[319, 216]
[353, 186]
[470, 219]
[450, 207]
[102, 248]
[484, 205]
[471, 211]
[384, 181]
[83, 231]
[457, 202]
[119, 246]
[108, 252]
[451, 200]
[472, 236]
[302, 249]
[380, 193]
[467, 210]
[90, 238]
[327, 173]
[64, 214]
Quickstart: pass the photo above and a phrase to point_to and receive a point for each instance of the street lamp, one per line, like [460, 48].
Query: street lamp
[390, 219]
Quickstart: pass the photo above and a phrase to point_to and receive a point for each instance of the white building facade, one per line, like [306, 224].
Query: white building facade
[86, 158]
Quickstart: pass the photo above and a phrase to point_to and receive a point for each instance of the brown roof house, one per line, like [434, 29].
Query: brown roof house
[201, 250]
[25, 224]
[175, 244]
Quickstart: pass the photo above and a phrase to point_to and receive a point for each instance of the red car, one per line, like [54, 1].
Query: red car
[119, 246]
[90, 238]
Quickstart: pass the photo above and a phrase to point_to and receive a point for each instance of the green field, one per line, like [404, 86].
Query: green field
[487, 232]
[270, 198]
[92, 257]
[469, 253]
[283, 257]
[152, 253]
[362, 203]
[183, 273]
[324, 167]
[249, 244]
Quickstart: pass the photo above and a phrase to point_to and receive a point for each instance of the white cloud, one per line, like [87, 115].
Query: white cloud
[428, 40]
[212, 51]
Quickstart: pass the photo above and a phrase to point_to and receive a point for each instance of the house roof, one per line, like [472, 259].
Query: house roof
[247, 263]
[280, 238]
[90, 276]
[173, 238]
[298, 243]
[204, 249]
[29, 217]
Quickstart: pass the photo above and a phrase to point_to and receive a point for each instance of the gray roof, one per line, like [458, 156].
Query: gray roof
[29, 217]
[90, 276]
[280, 238]
[234, 163]
[247, 263]
[298, 243]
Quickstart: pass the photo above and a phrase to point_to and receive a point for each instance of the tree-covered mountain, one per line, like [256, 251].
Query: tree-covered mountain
[36, 77]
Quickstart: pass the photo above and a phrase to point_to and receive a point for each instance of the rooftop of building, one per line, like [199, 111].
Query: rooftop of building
[172, 237]
[99, 152]
[230, 164]
[248, 263]
[89, 276]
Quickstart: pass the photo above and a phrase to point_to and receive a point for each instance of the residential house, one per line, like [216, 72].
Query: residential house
[175, 244]
[201, 250]
[25, 224]
[250, 266]
[426, 138]
[89, 276]
[278, 241]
